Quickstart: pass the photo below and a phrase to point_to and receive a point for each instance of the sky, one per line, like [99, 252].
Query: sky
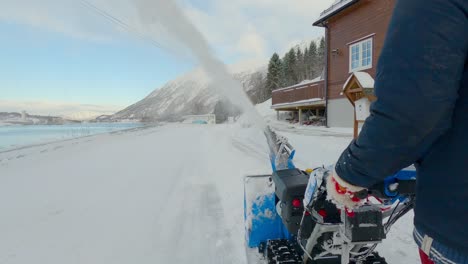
[63, 56]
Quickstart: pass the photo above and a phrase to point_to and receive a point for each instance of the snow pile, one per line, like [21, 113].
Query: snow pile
[264, 109]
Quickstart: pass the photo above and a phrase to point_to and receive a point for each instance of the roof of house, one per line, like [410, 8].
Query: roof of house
[364, 79]
[336, 7]
[308, 102]
[303, 83]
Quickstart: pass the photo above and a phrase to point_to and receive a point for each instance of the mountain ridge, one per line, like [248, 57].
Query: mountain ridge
[190, 93]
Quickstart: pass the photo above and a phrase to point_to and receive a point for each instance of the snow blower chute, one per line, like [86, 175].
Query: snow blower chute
[289, 219]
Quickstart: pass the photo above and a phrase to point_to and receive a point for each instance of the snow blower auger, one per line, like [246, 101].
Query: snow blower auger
[289, 219]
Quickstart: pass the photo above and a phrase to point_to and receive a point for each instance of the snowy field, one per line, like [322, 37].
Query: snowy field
[168, 194]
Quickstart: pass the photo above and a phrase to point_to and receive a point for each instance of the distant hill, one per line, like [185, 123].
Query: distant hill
[13, 118]
[186, 95]
[191, 94]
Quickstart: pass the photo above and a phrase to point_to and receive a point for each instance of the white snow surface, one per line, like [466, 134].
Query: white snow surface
[167, 194]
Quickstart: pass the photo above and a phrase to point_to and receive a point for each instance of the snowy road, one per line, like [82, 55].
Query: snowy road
[170, 194]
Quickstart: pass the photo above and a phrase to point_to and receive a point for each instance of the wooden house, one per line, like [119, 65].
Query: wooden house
[354, 34]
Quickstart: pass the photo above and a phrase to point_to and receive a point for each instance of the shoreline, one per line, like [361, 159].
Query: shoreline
[54, 141]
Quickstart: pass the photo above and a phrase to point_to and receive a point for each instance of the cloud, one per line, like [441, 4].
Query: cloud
[249, 28]
[237, 30]
[67, 17]
[57, 108]
[253, 44]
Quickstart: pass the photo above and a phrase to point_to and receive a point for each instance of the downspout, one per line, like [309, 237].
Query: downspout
[326, 73]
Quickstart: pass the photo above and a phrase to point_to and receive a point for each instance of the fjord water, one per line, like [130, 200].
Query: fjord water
[19, 136]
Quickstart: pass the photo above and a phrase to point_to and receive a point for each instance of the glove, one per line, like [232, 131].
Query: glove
[344, 194]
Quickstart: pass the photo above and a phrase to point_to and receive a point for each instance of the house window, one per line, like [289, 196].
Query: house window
[360, 55]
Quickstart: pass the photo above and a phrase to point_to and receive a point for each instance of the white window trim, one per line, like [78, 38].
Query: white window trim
[351, 70]
[359, 39]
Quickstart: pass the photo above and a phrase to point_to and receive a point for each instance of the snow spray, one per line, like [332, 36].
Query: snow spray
[167, 14]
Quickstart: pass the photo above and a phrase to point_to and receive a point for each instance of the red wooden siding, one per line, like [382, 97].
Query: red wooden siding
[357, 21]
[299, 93]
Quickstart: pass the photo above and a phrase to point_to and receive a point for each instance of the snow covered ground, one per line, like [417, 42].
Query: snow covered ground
[168, 194]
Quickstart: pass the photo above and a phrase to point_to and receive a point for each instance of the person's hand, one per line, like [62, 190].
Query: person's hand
[344, 194]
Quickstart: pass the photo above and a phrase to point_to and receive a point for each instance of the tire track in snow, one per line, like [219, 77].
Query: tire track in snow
[249, 149]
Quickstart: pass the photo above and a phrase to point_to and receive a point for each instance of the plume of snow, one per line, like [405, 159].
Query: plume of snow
[166, 14]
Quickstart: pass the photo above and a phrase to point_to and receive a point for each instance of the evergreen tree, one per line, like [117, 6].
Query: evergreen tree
[312, 61]
[274, 74]
[291, 73]
[306, 67]
[320, 56]
[289, 68]
[284, 71]
[299, 69]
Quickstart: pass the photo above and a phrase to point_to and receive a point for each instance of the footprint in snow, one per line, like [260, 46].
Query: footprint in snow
[20, 156]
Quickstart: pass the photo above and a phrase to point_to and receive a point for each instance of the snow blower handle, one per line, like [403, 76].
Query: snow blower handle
[401, 184]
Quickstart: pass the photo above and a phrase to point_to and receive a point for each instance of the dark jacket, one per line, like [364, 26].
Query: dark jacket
[421, 116]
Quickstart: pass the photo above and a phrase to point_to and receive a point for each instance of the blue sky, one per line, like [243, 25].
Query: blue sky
[58, 52]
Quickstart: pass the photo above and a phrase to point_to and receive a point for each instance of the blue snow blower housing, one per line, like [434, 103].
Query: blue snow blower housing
[273, 205]
[262, 221]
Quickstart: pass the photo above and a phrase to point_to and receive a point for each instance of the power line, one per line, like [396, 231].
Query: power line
[123, 25]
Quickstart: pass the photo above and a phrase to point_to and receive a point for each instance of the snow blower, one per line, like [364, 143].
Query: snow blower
[289, 219]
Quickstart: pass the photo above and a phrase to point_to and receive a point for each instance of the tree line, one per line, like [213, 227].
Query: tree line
[295, 66]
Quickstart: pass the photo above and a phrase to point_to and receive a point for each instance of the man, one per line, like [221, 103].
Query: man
[421, 118]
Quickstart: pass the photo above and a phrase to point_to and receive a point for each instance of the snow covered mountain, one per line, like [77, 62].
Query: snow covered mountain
[85, 115]
[13, 118]
[192, 93]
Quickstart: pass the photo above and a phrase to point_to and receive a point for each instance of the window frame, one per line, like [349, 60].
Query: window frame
[359, 44]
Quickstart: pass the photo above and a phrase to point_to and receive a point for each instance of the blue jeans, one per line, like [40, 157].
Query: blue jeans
[438, 252]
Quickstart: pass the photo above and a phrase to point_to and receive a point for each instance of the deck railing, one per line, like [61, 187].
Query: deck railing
[299, 93]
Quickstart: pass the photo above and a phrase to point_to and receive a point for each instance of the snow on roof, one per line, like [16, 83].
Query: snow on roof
[364, 79]
[336, 6]
[303, 83]
[313, 101]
